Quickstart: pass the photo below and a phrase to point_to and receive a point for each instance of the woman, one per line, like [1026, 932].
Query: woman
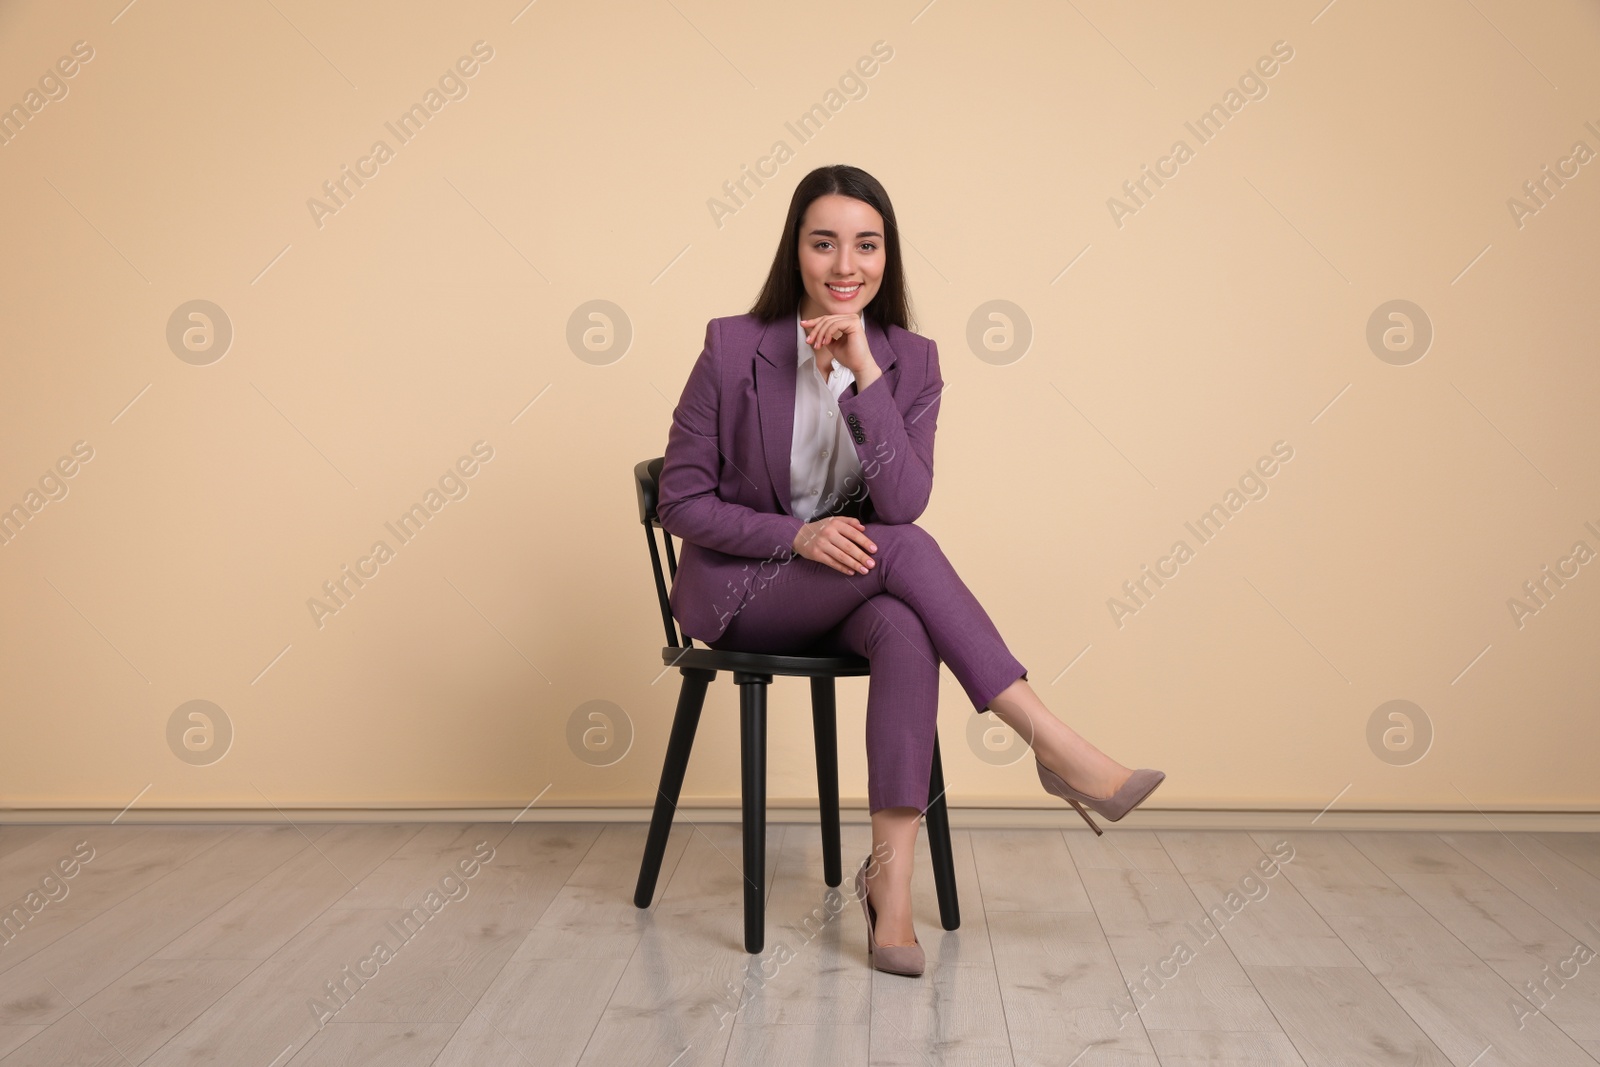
[799, 459]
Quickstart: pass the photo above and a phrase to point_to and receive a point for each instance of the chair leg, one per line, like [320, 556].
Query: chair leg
[691, 698]
[753, 788]
[825, 729]
[944, 864]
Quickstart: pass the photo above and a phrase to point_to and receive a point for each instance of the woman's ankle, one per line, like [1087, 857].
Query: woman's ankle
[891, 906]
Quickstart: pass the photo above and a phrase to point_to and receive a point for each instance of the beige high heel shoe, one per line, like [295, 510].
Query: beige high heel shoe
[1140, 784]
[895, 959]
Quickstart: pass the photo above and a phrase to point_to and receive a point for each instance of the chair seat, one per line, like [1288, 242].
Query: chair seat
[710, 659]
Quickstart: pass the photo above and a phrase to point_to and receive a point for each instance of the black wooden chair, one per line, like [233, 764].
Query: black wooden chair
[753, 672]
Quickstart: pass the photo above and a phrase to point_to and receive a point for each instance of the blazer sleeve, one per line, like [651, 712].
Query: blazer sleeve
[896, 451]
[688, 504]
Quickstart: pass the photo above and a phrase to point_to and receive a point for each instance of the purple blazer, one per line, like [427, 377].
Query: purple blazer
[724, 489]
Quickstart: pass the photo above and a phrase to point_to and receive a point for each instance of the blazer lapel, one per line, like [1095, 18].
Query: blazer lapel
[776, 371]
[775, 382]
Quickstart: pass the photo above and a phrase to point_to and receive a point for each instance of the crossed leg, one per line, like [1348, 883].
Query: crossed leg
[907, 613]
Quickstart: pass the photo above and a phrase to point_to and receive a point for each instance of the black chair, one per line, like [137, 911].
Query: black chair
[753, 672]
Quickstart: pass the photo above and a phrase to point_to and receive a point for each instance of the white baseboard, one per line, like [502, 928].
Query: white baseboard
[960, 817]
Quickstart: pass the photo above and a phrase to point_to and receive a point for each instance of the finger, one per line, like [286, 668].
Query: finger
[857, 557]
[850, 565]
[823, 330]
[841, 567]
[829, 554]
[826, 557]
[842, 526]
[819, 330]
[861, 538]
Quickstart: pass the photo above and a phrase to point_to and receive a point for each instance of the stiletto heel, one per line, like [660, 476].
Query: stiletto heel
[894, 959]
[1140, 784]
[1085, 815]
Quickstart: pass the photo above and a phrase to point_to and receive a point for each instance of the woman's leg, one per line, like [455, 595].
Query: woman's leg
[804, 599]
[1056, 745]
[902, 697]
[915, 569]
[796, 607]
[902, 709]
[894, 843]
[902, 719]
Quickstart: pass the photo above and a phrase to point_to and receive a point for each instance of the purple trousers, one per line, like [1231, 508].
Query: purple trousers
[906, 614]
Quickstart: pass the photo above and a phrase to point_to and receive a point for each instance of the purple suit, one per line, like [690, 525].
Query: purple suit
[725, 483]
[725, 493]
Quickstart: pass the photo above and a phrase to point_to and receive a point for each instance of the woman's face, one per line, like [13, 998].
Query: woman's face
[841, 243]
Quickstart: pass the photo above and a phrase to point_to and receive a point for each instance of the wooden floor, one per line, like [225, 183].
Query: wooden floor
[220, 945]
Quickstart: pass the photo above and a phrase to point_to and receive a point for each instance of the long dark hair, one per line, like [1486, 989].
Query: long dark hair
[783, 291]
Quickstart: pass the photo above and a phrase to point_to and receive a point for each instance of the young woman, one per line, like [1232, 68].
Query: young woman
[798, 462]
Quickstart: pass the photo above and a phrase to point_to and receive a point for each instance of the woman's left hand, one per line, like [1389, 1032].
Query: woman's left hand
[843, 338]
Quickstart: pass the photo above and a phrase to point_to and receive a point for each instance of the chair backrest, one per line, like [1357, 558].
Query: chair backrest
[647, 483]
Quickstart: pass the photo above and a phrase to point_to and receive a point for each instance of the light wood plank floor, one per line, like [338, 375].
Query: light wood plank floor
[493, 945]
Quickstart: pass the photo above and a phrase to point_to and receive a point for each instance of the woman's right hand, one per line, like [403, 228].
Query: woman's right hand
[839, 541]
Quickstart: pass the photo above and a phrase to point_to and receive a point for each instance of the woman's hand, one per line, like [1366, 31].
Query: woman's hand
[843, 338]
[839, 541]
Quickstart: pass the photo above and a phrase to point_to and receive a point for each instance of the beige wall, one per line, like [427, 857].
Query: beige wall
[1171, 348]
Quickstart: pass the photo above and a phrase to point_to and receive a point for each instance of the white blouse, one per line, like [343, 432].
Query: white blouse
[824, 470]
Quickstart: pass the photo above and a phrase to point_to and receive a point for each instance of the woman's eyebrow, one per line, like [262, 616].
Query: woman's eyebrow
[860, 233]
